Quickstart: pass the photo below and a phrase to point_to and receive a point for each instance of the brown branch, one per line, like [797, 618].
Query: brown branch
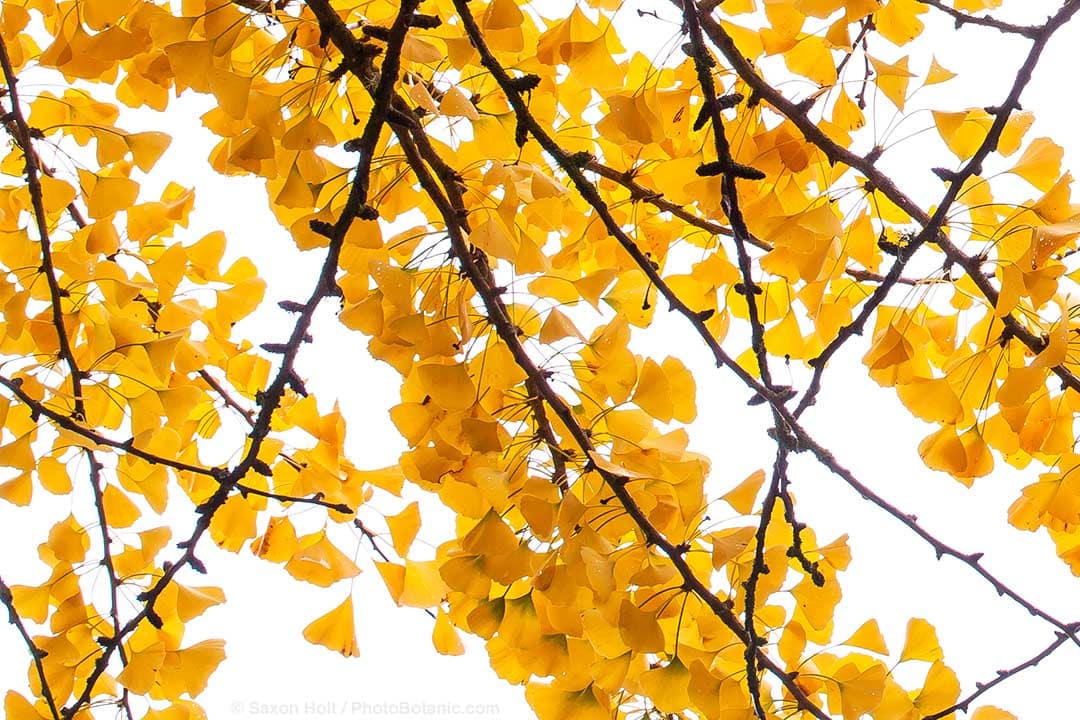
[97, 486]
[639, 192]
[24, 139]
[729, 197]
[8, 601]
[1002, 676]
[228, 399]
[931, 224]
[547, 434]
[325, 287]
[941, 549]
[470, 260]
[246, 490]
[757, 569]
[590, 194]
[962, 18]
[38, 408]
[867, 276]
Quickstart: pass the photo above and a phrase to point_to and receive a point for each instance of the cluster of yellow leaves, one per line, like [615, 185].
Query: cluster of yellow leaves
[545, 564]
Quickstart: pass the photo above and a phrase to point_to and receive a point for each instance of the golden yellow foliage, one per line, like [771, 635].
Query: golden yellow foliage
[500, 200]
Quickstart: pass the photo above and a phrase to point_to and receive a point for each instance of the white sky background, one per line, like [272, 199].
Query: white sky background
[893, 575]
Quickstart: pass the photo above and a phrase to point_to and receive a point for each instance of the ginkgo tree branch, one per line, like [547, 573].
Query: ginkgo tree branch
[880, 181]
[7, 599]
[656, 198]
[940, 548]
[505, 327]
[962, 18]
[470, 260]
[33, 181]
[802, 438]
[588, 192]
[245, 490]
[757, 569]
[730, 172]
[326, 286]
[547, 435]
[97, 485]
[931, 224]
[639, 192]
[225, 396]
[38, 408]
[1001, 676]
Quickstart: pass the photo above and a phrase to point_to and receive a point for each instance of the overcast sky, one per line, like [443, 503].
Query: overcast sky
[893, 576]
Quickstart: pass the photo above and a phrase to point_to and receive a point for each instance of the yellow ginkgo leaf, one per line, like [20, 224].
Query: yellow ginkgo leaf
[940, 690]
[632, 118]
[639, 628]
[232, 90]
[868, 637]
[420, 51]
[557, 326]
[423, 586]
[921, 642]
[278, 542]
[335, 630]
[456, 103]
[861, 689]
[898, 20]
[320, 562]
[1040, 164]
[307, 133]
[491, 536]
[16, 707]
[743, 495]
[668, 686]
[190, 668]
[194, 601]
[295, 192]
[943, 450]
[729, 544]
[502, 15]
[119, 509]
[893, 78]
[31, 602]
[141, 670]
[653, 393]
[816, 603]
[109, 195]
[937, 73]
[414, 584]
[448, 386]
[931, 399]
[553, 703]
[445, 637]
[492, 237]
[147, 147]
[403, 527]
[68, 541]
[55, 194]
[234, 523]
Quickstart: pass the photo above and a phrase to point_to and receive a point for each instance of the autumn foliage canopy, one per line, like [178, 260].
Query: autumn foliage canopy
[502, 197]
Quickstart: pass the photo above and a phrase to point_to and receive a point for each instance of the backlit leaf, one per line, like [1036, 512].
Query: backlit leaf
[335, 630]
